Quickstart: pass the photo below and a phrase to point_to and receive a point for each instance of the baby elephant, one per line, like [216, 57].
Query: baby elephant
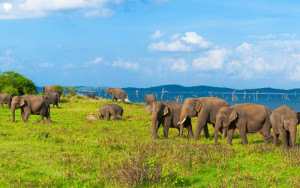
[51, 100]
[91, 116]
[284, 121]
[110, 109]
[91, 95]
[168, 114]
[150, 99]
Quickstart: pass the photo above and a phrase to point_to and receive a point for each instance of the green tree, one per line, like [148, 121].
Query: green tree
[71, 90]
[58, 88]
[16, 84]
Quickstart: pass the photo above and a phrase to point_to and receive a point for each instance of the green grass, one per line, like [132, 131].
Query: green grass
[74, 152]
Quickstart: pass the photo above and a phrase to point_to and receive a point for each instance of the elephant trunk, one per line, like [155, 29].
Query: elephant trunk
[293, 132]
[13, 114]
[106, 94]
[217, 127]
[154, 126]
[183, 116]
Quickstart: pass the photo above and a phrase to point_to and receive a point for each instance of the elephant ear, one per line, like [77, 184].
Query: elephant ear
[111, 110]
[22, 102]
[197, 106]
[165, 110]
[232, 116]
[148, 108]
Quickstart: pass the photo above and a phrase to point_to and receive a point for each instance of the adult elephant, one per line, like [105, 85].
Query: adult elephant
[30, 104]
[90, 95]
[206, 109]
[51, 88]
[247, 118]
[50, 94]
[109, 110]
[284, 122]
[167, 114]
[5, 98]
[150, 99]
[116, 93]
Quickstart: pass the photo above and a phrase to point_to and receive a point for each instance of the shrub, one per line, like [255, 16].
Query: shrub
[71, 90]
[59, 89]
[16, 84]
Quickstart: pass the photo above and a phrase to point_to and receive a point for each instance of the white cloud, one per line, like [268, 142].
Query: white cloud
[288, 35]
[214, 59]
[59, 45]
[175, 36]
[68, 66]
[94, 62]
[8, 52]
[46, 65]
[189, 43]
[294, 74]
[296, 56]
[7, 6]
[121, 63]
[176, 46]
[157, 35]
[263, 37]
[179, 65]
[193, 38]
[41, 8]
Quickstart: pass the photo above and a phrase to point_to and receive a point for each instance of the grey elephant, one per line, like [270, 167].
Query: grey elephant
[206, 109]
[247, 118]
[110, 110]
[50, 88]
[116, 93]
[167, 114]
[53, 94]
[90, 95]
[51, 100]
[5, 98]
[30, 104]
[284, 122]
[150, 99]
[91, 116]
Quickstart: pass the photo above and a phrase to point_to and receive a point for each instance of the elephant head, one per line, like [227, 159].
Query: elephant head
[17, 102]
[158, 111]
[191, 107]
[44, 89]
[224, 118]
[108, 92]
[289, 125]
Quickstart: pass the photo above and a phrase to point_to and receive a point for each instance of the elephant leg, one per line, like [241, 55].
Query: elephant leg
[190, 130]
[123, 100]
[57, 105]
[53, 105]
[108, 117]
[166, 125]
[22, 114]
[26, 115]
[2, 105]
[201, 122]
[289, 140]
[230, 135]
[112, 97]
[206, 133]
[243, 135]
[48, 117]
[275, 139]
[284, 137]
[178, 131]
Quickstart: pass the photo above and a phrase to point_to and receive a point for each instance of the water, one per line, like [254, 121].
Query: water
[271, 100]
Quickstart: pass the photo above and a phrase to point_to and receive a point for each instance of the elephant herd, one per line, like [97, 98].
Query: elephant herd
[246, 118]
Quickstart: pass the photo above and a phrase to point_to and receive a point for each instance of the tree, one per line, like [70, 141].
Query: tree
[16, 84]
[71, 90]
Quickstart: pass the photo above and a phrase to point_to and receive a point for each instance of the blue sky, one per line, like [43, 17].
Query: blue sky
[142, 43]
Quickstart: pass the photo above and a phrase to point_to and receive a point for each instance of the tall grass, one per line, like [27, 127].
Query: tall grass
[74, 152]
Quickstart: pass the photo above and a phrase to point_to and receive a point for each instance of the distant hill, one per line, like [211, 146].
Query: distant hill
[179, 88]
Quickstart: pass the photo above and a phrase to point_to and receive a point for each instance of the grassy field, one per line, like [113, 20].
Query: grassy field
[74, 152]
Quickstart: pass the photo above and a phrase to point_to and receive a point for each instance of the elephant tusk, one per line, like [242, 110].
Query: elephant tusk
[183, 120]
[178, 123]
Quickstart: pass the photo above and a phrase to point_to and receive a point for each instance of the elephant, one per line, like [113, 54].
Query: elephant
[110, 109]
[53, 94]
[116, 93]
[247, 118]
[284, 122]
[91, 116]
[6, 99]
[51, 100]
[51, 88]
[206, 109]
[90, 95]
[150, 99]
[30, 104]
[167, 114]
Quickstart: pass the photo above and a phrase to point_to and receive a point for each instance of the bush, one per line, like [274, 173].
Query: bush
[71, 90]
[16, 84]
[41, 94]
[58, 88]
